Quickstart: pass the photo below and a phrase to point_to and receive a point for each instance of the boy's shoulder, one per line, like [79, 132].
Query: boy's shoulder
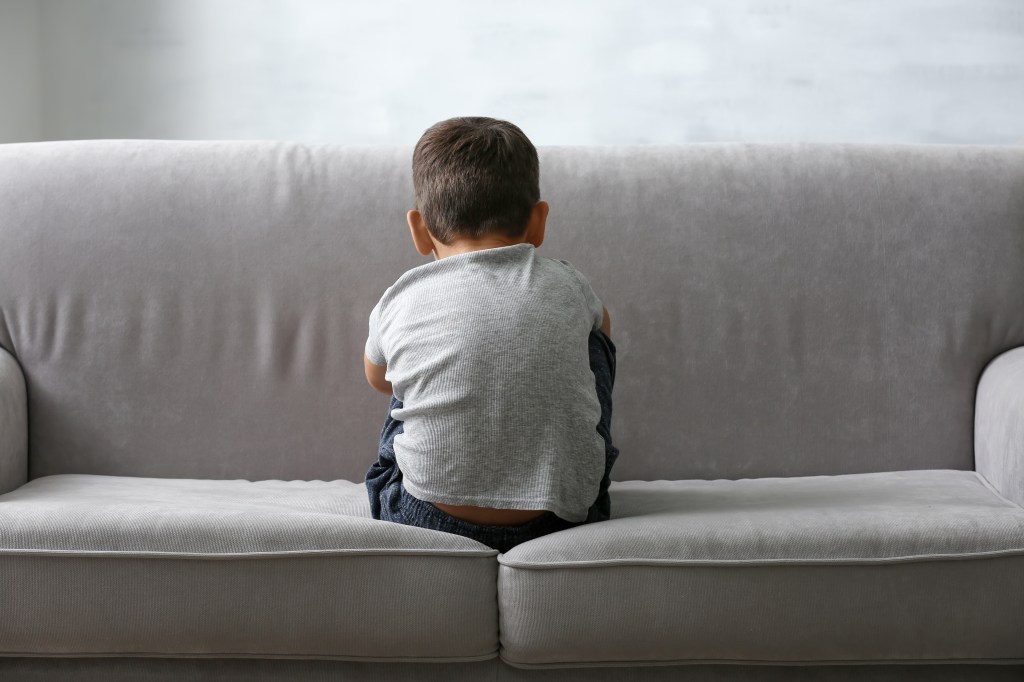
[579, 277]
[477, 262]
[566, 265]
[468, 289]
[472, 269]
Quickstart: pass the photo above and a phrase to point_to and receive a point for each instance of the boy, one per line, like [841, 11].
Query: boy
[497, 361]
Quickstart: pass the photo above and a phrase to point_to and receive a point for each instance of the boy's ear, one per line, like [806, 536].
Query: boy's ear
[420, 234]
[538, 221]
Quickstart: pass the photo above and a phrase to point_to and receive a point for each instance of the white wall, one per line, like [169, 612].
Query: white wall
[567, 71]
[19, 71]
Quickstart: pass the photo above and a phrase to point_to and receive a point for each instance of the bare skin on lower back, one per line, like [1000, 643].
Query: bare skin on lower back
[487, 516]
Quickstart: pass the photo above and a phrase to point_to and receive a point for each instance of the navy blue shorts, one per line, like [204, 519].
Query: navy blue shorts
[390, 501]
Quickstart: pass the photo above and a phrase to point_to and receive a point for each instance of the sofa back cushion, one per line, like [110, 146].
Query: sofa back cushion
[198, 309]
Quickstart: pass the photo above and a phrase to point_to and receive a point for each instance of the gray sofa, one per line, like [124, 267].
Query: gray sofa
[819, 407]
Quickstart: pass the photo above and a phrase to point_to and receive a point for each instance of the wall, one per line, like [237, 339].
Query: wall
[19, 71]
[567, 71]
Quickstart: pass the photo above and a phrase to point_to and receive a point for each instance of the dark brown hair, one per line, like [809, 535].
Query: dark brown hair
[475, 176]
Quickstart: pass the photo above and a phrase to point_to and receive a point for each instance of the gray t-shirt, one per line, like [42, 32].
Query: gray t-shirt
[488, 352]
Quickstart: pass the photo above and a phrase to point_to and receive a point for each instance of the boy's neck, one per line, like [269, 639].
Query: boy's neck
[466, 245]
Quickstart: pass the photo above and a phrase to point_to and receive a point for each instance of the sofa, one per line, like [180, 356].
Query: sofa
[819, 407]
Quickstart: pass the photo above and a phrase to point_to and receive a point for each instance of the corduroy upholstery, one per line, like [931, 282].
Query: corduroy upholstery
[819, 407]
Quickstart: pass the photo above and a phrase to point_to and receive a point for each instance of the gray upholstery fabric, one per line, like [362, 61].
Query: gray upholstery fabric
[13, 425]
[101, 565]
[198, 309]
[999, 425]
[182, 321]
[891, 566]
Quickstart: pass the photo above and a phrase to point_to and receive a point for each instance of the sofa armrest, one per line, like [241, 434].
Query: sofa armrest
[999, 425]
[13, 425]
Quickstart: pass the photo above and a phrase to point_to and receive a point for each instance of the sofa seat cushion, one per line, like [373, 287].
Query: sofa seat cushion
[896, 566]
[110, 565]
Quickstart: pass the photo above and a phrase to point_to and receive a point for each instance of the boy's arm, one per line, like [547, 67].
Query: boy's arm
[375, 375]
[591, 298]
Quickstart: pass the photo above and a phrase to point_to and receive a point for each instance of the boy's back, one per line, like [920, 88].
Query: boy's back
[488, 353]
[497, 361]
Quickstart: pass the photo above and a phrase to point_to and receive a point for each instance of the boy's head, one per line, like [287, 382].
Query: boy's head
[475, 176]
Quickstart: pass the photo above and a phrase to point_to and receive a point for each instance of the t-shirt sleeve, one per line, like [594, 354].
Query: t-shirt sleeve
[594, 305]
[373, 348]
